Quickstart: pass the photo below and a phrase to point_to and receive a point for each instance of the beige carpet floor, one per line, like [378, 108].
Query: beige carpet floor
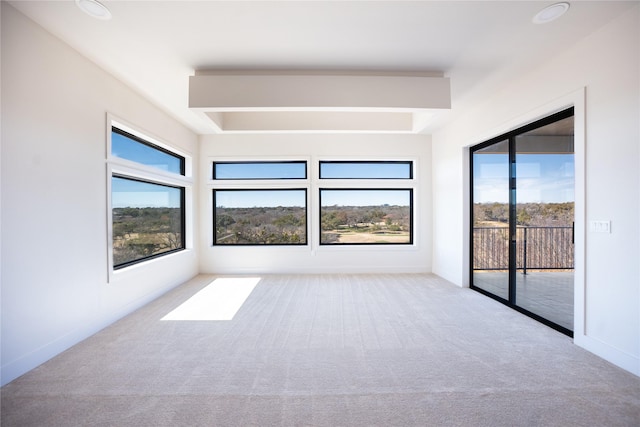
[328, 350]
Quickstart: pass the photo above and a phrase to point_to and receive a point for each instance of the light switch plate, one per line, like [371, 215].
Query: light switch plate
[600, 226]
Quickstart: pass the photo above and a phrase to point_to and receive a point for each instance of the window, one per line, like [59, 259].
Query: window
[130, 147]
[262, 211]
[260, 217]
[260, 170]
[147, 199]
[376, 211]
[264, 203]
[366, 216]
[148, 219]
[365, 170]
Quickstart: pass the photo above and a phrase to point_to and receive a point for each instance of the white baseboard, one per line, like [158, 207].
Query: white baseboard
[622, 359]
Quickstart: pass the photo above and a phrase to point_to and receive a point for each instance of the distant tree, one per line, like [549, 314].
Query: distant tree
[523, 217]
[224, 221]
[378, 214]
[332, 220]
[288, 220]
[123, 229]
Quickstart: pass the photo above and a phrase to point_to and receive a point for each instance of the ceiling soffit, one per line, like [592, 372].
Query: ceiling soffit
[308, 102]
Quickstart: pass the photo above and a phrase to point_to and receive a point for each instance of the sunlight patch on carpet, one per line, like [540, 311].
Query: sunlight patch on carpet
[220, 300]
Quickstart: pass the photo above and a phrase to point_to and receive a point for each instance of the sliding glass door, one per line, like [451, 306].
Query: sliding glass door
[491, 176]
[522, 219]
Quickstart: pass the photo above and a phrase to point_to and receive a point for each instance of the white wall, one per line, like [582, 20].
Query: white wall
[54, 202]
[312, 258]
[605, 67]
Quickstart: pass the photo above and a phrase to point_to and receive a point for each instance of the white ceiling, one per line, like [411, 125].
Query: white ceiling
[154, 46]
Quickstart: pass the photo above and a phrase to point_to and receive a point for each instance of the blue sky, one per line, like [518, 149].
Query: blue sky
[131, 193]
[260, 198]
[281, 170]
[126, 148]
[540, 178]
[366, 170]
[287, 170]
[126, 193]
[365, 197]
[272, 198]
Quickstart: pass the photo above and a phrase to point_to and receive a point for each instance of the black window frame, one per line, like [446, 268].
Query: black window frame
[256, 162]
[121, 167]
[409, 163]
[411, 216]
[306, 217]
[142, 141]
[182, 220]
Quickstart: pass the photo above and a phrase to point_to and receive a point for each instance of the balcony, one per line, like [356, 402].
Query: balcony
[544, 262]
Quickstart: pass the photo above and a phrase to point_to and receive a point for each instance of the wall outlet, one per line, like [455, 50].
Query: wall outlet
[600, 226]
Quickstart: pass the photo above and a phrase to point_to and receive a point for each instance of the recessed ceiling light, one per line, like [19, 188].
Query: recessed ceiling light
[94, 8]
[551, 13]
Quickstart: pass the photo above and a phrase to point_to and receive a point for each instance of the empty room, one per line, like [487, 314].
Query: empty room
[320, 213]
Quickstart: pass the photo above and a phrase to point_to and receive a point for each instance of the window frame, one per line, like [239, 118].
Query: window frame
[369, 184]
[258, 184]
[140, 140]
[258, 162]
[411, 216]
[306, 218]
[409, 163]
[128, 169]
[313, 183]
[182, 208]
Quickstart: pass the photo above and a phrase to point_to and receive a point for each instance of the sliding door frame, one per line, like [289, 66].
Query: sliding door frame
[511, 137]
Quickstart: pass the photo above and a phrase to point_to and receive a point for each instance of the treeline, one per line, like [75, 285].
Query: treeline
[387, 216]
[338, 222]
[287, 225]
[280, 225]
[528, 214]
[142, 232]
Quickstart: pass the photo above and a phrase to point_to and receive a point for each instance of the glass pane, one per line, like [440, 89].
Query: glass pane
[544, 217]
[132, 148]
[260, 217]
[365, 170]
[368, 216]
[147, 219]
[260, 170]
[491, 219]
